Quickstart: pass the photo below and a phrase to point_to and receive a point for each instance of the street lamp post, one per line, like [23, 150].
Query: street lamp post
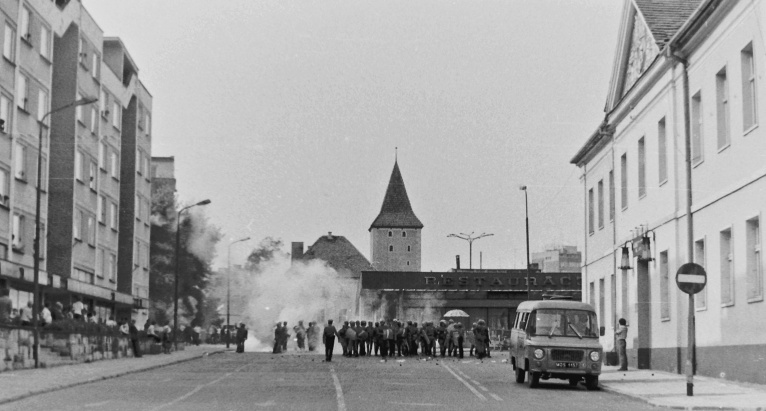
[177, 265]
[470, 240]
[526, 215]
[228, 289]
[38, 195]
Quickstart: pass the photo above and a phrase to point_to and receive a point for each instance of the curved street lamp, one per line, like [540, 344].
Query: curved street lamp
[177, 265]
[38, 195]
[228, 289]
[470, 240]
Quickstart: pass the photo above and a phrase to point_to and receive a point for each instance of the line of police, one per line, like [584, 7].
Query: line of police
[392, 338]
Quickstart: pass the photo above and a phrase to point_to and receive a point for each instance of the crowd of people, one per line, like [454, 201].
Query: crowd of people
[395, 338]
[303, 335]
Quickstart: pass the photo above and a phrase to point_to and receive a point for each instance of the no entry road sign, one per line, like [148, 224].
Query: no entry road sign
[691, 278]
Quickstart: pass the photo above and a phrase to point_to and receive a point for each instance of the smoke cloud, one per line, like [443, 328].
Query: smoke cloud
[278, 290]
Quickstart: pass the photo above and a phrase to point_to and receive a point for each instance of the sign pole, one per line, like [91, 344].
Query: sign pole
[690, 350]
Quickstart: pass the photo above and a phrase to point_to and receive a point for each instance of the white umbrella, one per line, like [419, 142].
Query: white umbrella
[456, 313]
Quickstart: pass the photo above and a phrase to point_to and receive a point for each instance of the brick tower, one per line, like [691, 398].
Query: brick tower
[395, 233]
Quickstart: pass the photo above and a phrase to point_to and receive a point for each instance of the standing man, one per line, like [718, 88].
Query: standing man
[6, 305]
[77, 308]
[441, 337]
[342, 338]
[328, 338]
[133, 331]
[622, 334]
[285, 336]
[277, 339]
[241, 337]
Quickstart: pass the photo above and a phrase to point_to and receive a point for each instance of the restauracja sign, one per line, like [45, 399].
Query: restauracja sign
[471, 281]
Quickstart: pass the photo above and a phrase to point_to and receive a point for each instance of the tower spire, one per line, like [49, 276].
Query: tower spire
[396, 211]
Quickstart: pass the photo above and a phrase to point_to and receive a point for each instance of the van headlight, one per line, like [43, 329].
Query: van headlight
[539, 353]
[595, 356]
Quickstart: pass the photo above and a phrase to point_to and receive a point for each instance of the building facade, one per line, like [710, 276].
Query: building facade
[558, 258]
[395, 233]
[675, 174]
[55, 54]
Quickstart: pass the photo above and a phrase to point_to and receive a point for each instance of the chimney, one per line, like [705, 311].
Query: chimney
[457, 261]
[329, 235]
[297, 253]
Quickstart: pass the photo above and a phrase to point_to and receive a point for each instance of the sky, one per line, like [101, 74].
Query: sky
[288, 115]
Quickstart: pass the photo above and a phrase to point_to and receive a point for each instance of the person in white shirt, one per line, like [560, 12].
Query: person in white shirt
[110, 322]
[77, 309]
[124, 328]
[45, 315]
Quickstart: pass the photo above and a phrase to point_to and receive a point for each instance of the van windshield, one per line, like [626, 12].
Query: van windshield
[563, 323]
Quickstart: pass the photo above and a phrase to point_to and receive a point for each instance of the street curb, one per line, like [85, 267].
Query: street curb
[655, 403]
[100, 378]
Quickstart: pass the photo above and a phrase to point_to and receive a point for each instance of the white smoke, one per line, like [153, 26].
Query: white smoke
[308, 291]
[202, 236]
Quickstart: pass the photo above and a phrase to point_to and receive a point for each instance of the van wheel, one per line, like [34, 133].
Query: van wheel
[591, 382]
[520, 374]
[573, 381]
[534, 379]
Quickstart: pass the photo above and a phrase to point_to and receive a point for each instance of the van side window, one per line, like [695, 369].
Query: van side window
[516, 320]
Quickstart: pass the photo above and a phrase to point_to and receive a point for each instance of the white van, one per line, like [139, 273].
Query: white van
[556, 339]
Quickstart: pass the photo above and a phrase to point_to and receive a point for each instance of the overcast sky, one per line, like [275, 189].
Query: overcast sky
[286, 113]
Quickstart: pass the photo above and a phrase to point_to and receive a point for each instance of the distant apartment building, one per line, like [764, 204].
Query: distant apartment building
[675, 174]
[55, 54]
[558, 259]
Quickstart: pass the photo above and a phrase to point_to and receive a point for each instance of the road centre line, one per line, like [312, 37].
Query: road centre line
[473, 390]
[338, 390]
[199, 387]
[483, 388]
[495, 396]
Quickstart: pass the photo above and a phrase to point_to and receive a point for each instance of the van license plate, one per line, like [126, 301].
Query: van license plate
[567, 365]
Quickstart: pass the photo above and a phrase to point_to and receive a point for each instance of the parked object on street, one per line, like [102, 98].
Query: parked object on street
[556, 339]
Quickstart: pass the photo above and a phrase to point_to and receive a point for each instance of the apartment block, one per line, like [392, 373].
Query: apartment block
[659, 194]
[95, 184]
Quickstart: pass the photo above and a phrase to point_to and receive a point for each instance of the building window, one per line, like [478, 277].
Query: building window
[611, 195]
[116, 115]
[136, 254]
[749, 92]
[22, 87]
[5, 105]
[114, 217]
[722, 108]
[115, 164]
[45, 36]
[408, 263]
[600, 204]
[42, 104]
[44, 175]
[592, 294]
[601, 299]
[78, 165]
[24, 25]
[390, 248]
[409, 248]
[754, 259]
[390, 233]
[94, 66]
[17, 232]
[102, 150]
[591, 212]
[78, 109]
[112, 266]
[727, 268]
[641, 168]
[9, 43]
[700, 300]
[93, 117]
[91, 231]
[101, 209]
[100, 263]
[697, 139]
[664, 286]
[137, 210]
[140, 160]
[20, 162]
[624, 181]
[662, 151]
[4, 186]
[148, 128]
[77, 225]
[404, 233]
[82, 54]
[93, 176]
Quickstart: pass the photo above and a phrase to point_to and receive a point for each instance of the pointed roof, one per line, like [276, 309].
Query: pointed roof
[340, 254]
[396, 211]
[665, 17]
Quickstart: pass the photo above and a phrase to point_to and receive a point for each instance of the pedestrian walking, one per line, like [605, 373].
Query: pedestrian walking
[241, 337]
[328, 339]
[300, 335]
[482, 339]
[285, 336]
[277, 338]
[622, 335]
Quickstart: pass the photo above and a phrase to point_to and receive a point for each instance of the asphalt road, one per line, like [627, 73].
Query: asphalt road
[293, 381]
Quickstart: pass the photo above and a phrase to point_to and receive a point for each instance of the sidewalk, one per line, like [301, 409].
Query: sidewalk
[16, 385]
[664, 389]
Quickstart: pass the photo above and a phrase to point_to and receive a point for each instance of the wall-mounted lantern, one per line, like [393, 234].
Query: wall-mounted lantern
[645, 253]
[625, 260]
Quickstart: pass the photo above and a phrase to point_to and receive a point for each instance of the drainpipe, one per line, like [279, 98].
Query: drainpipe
[691, 346]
